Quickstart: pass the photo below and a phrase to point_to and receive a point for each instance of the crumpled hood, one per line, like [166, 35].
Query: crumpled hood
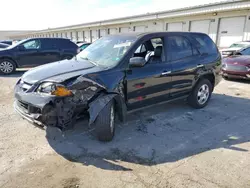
[60, 70]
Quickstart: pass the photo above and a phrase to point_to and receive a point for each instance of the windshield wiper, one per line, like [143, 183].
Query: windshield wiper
[85, 58]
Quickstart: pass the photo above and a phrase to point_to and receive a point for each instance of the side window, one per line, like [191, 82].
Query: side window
[156, 42]
[48, 44]
[180, 48]
[141, 49]
[152, 50]
[204, 44]
[32, 44]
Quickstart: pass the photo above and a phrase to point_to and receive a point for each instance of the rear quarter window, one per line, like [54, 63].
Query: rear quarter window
[66, 44]
[204, 44]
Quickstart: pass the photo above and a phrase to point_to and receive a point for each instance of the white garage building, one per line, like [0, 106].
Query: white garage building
[225, 22]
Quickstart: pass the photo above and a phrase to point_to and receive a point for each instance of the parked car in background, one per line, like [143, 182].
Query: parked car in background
[2, 45]
[234, 47]
[35, 51]
[9, 42]
[243, 51]
[237, 66]
[112, 76]
[83, 45]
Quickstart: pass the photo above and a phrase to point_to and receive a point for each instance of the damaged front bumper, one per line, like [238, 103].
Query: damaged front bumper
[32, 118]
[61, 112]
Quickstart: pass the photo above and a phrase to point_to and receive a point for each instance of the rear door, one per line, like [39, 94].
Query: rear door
[49, 50]
[149, 84]
[184, 59]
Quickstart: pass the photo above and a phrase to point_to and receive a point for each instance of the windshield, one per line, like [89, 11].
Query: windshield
[239, 45]
[107, 51]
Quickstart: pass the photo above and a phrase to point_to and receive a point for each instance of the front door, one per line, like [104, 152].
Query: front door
[149, 84]
[28, 54]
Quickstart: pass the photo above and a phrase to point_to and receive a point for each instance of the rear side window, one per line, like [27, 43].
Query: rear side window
[48, 44]
[180, 48]
[67, 44]
[204, 44]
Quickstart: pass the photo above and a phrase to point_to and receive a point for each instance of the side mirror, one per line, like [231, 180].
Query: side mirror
[21, 48]
[137, 62]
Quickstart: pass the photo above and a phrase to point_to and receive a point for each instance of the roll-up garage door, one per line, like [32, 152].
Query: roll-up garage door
[102, 33]
[87, 36]
[80, 36]
[112, 31]
[69, 35]
[178, 26]
[124, 30]
[74, 38]
[202, 26]
[94, 35]
[140, 28]
[231, 30]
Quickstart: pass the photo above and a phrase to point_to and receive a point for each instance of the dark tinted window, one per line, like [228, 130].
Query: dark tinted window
[180, 47]
[204, 44]
[67, 44]
[246, 51]
[48, 44]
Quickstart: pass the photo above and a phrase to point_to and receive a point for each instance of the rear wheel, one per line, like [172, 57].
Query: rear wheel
[7, 66]
[105, 123]
[201, 94]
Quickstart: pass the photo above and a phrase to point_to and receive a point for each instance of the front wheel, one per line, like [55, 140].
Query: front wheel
[7, 66]
[105, 123]
[201, 94]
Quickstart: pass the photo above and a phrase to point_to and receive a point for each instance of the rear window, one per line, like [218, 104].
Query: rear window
[204, 44]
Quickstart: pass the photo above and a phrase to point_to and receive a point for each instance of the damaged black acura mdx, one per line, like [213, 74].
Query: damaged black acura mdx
[117, 74]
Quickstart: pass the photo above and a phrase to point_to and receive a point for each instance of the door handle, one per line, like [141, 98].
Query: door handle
[200, 66]
[166, 73]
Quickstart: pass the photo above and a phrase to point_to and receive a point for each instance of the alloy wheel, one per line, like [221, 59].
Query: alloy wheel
[203, 94]
[6, 67]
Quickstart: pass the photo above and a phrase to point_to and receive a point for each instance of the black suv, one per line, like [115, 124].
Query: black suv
[119, 73]
[34, 52]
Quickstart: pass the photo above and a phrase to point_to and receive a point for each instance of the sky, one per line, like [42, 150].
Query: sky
[44, 14]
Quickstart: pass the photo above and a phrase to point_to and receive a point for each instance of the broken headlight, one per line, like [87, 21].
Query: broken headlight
[54, 89]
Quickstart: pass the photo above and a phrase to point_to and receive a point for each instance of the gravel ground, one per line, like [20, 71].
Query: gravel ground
[170, 145]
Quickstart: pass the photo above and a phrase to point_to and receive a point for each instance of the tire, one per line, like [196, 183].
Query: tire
[105, 123]
[200, 94]
[7, 66]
